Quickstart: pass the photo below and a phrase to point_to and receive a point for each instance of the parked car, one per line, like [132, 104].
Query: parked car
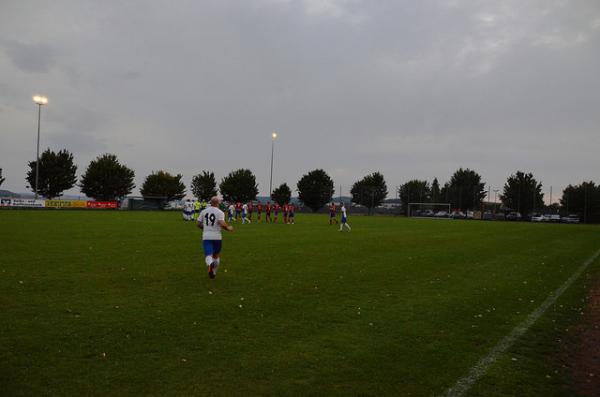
[513, 216]
[428, 213]
[538, 218]
[470, 214]
[555, 218]
[488, 216]
[441, 214]
[570, 219]
[458, 215]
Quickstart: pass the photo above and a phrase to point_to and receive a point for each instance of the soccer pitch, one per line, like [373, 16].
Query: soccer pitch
[119, 303]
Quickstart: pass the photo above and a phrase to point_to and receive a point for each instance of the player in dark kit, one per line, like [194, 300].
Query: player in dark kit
[238, 210]
[332, 213]
[268, 209]
[285, 213]
[258, 211]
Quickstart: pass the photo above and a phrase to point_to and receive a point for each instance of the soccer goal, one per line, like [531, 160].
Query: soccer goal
[428, 209]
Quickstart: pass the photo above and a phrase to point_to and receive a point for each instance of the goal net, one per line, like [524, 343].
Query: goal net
[428, 209]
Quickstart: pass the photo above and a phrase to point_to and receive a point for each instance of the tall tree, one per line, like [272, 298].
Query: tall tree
[204, 185]
[370, 191]
[56, 173]
[107, 179]
[523, 193]
[435, 191]
[414, 191]
[161, 186]
[239, 186]
[1, 178]
[584, 200]
[464, 190]
[282, 194]
[315, 189]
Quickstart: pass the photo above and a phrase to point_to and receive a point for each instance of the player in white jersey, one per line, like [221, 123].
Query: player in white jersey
[211, 221]
[230, 212]
[245, 214]
[344, 221]
[188, 210]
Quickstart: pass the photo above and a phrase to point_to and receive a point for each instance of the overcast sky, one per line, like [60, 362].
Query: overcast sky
[414, 89]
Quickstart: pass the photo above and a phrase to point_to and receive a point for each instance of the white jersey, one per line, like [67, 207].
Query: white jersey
[245, 209]
[188, 206]
[210, 218]
[231, 209]
[343, 212]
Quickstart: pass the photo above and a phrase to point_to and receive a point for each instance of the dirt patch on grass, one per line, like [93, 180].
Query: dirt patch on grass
[582, 355]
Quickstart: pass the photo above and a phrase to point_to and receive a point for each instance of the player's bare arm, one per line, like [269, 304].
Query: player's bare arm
[225, 226]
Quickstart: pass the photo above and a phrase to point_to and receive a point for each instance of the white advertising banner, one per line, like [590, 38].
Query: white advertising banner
[17, 202]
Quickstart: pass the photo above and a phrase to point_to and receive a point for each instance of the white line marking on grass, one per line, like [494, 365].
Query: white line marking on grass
[465, 383]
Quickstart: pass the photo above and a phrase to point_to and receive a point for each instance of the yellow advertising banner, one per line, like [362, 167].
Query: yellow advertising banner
[66, 203]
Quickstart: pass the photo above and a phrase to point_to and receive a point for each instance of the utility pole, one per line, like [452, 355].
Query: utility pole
[585, 203]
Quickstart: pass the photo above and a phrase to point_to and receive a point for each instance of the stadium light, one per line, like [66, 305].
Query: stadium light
[39, 100]
[273, 136]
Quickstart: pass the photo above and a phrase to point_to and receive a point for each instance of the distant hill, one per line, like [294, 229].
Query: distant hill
[8, 193]
[295, 200]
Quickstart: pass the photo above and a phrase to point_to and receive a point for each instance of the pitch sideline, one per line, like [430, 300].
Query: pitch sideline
[478, 370]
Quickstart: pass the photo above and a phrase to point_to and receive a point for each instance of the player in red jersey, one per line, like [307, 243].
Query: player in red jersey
[276, 209]
[250, 210]
[291, 214]
[238, 210]
[285, 213]
[258, 210]
[268, 209]
[332, 214]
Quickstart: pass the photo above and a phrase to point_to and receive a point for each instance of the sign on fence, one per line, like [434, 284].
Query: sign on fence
[66, 203]
[102, 204]
[25, 203]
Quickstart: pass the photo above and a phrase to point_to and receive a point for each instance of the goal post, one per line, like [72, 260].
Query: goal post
[426, 209]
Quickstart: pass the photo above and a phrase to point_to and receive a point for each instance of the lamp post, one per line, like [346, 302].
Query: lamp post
[273, 136]
[39, 100]
[495, 195]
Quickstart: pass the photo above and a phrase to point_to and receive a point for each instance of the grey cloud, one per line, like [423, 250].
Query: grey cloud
[30, 57]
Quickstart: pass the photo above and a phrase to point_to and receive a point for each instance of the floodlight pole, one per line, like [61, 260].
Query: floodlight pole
[38, 100]
[274, 135]
[495, 195]
[37, 156]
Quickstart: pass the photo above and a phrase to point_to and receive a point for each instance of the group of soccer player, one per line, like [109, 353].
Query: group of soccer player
[244, 212]
[191, 209]
[333, 216]
[212, 221]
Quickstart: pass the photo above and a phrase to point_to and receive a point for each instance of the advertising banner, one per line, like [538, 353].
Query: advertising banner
[102, 204]
[25, 203]
[66, 203]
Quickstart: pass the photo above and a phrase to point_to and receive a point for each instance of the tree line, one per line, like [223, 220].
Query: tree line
[106, 179]
[521, 192]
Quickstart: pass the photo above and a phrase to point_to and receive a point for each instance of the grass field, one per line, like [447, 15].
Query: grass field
[119, 303]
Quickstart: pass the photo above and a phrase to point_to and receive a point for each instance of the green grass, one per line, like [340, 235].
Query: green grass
[118, 303]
